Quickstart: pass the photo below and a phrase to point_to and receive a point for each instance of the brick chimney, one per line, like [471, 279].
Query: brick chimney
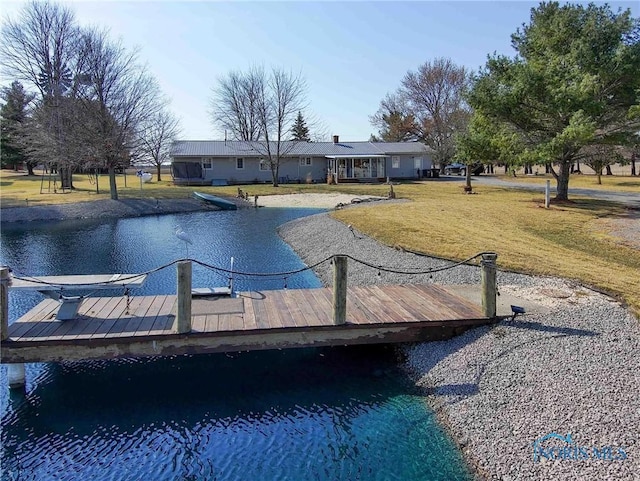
[336, 139]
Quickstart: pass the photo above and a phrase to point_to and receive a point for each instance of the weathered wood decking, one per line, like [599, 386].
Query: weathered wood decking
[107, 328]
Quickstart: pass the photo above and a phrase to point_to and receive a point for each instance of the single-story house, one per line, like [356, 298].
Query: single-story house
[228, 161]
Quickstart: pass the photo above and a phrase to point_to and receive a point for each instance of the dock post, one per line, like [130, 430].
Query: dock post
[16, 376]
[182, 323]
[5, 280]
[488, 281]
[339, 289]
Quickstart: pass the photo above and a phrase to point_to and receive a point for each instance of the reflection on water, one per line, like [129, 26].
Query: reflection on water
[326, 414]
[143, 244]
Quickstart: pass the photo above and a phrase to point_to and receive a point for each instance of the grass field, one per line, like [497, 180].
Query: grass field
[609, 182]
[566, 240]
[21, 190]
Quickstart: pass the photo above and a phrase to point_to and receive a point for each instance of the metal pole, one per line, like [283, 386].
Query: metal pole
[488, 284]
[339, 289]
[547, 194]
[231, 279]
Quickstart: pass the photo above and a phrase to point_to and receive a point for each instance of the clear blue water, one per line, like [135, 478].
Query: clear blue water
[318, 414]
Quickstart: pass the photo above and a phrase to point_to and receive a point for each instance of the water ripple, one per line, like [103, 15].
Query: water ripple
[313, 414]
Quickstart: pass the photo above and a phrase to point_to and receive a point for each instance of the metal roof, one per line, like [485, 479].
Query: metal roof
[236, 148]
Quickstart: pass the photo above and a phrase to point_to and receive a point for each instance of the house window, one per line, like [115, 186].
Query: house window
[264, 165]
[395, 161]
[305, 161]
[207, 163]
[239, 163]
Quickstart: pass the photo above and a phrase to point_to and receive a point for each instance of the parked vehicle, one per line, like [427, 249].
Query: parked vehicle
[461, 169]
[455, 168]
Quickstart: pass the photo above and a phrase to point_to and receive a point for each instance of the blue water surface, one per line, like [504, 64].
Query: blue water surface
[317, 414]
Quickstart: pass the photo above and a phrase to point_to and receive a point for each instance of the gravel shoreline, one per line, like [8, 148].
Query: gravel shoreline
[98, 209]
[570, 367]
[103, 209]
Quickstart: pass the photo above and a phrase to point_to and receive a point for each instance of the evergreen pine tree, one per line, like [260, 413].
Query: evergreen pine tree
[14, 113]
[300, 130]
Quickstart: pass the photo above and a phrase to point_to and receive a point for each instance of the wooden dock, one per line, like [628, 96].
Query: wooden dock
[111, 327]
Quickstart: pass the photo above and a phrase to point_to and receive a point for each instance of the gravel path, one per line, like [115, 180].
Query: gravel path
[625, 230]
[630, 199]
[572, 368]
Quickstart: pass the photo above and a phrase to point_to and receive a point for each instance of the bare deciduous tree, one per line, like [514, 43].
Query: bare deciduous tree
[429, 106]
[156, 137]
[234, 103]
[40, 48]
[118, 96]
[435, 97]
[266, 102]
[393, 120]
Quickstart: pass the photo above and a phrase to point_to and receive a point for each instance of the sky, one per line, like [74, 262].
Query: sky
[351, 54]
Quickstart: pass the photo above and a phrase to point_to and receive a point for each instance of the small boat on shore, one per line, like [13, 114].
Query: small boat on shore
[217, 201]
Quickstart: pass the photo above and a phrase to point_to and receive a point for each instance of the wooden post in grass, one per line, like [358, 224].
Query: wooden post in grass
[182, 322]
[488, 284]
[339, 289]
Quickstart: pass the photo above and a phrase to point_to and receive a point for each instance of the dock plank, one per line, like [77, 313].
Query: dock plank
[306, 312]
[213, 322]
[236, 323]
[42, 312]
[125, 316]
[463, 307]
[396, 302]
[275, 319]
[358, 309]
[224, 323]
[296, 316]
[106, 328]
[376, 311]
[166, 316]
[111, 321]
[248, 316]
[262, 316]
[93, 328]
[428, 306]
[62, 329]
[150, 317]
[309, 307]
[199, 323]
[393, 299]
[282, 309]
[321, 303]
[136, 317]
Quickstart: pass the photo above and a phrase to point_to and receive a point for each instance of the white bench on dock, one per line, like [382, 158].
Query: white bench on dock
[54, 287]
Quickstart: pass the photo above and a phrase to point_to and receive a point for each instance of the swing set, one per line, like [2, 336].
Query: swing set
[51, 178]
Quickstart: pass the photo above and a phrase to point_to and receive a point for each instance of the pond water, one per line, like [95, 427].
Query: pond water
[322, 414]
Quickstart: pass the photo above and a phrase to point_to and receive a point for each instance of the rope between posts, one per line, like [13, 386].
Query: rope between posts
[285, 274]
